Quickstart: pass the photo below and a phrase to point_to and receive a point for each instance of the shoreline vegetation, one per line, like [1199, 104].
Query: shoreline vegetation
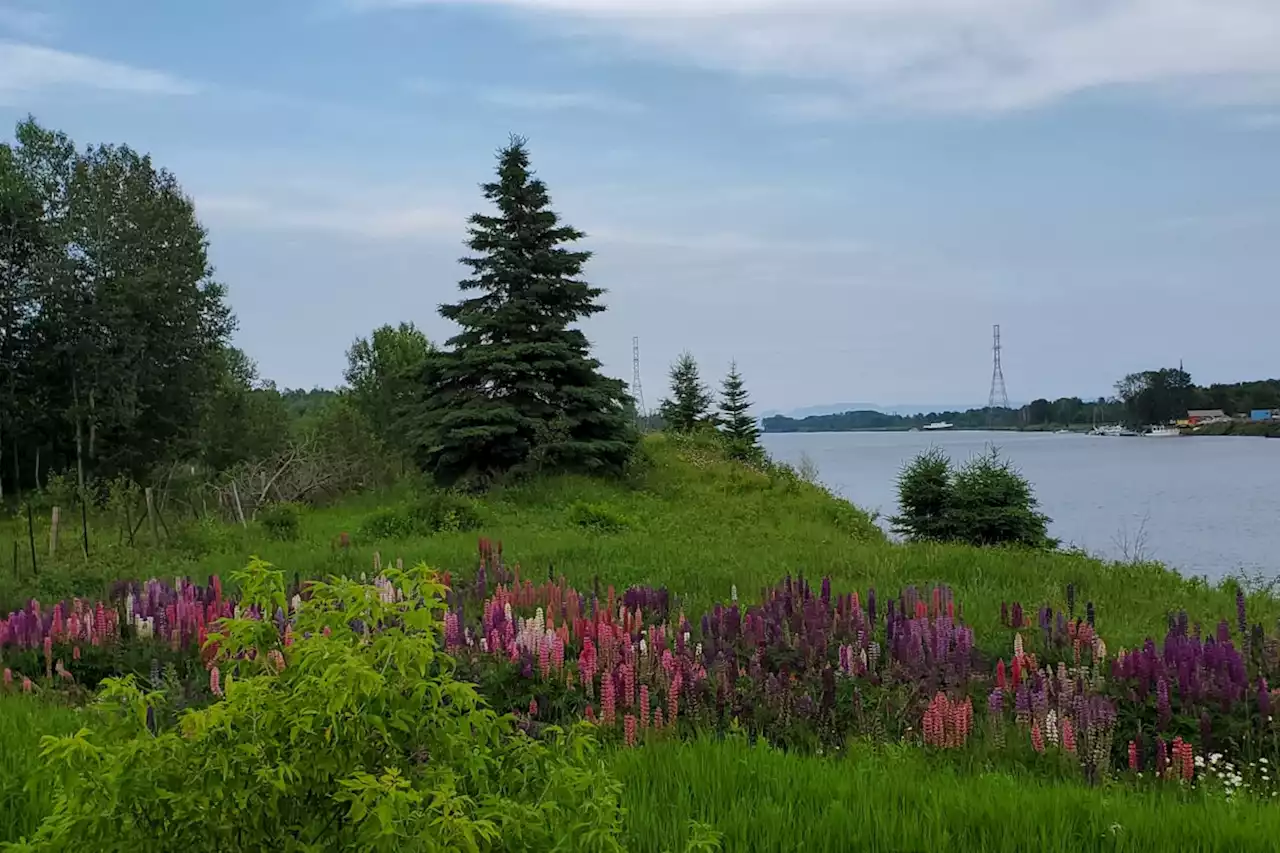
[462, 603]
[1163, 396]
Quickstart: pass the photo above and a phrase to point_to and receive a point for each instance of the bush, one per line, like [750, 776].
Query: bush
[281, 521]
[439, 511]
[598, 517]
[985, 502]
[342, 741]
[434, 512]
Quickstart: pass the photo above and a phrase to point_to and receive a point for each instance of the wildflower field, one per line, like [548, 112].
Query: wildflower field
[859, 695]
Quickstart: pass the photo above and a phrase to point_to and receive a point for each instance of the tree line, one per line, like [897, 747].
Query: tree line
[1144, 398]
[116, 358]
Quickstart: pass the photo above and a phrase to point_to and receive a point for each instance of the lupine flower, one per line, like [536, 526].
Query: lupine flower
[591, 715]
[629, 729]
[533, 707]
[215, 682]
[1162, 757]
[644, 706]
[26, 685]
[1133, 757]
[1068, 735]
[8, 677]
[1037, 738]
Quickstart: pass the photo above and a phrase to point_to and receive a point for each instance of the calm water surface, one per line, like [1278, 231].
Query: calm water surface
[1203, 505]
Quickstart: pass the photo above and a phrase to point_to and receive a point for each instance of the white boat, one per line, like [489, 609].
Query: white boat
[1112, 431]
[1163, 432]
[938, 425]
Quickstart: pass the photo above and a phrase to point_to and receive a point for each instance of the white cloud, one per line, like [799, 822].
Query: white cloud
[539, 101]
[29, 69]
[950, 55]
[360, 221]
[26, 22]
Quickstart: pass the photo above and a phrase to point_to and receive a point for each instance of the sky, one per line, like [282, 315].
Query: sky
[842, 196]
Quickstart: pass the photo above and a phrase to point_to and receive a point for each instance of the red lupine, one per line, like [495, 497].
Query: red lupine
[1068, 735]
[1000, 675]
[591, 714]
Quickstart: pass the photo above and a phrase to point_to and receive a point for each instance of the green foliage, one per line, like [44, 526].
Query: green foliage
[986, 502]
[385, 374]
[362, 742]
[120, 323]
[436, 511]
[282, 522]
[243, 419]
[599, 517]
[519, 364]
[689, 406]
[736, 421]
[1156, 396]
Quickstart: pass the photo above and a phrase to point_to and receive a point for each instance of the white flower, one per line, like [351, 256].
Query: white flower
[644, 646]
[1263, 761]
[1215, 757]
[1199, 761]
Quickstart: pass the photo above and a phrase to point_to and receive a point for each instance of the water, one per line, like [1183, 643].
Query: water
[1206, 506]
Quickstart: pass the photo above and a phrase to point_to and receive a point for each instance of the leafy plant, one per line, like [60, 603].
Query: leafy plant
[598, 517]
[281, 521]
[343, 739]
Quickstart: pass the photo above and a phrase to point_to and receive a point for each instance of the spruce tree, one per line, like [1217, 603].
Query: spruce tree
[518, 388]
[689, 406]
[735, 418]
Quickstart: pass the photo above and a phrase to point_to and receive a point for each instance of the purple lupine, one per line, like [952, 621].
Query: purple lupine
[1162, 702]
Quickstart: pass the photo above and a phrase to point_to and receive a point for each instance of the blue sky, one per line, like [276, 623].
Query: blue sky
[842, 196]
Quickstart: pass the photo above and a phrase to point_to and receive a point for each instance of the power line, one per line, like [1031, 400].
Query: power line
[637, 390]
[999, 396]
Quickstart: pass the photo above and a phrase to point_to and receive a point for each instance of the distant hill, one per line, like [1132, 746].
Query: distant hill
[905, 409]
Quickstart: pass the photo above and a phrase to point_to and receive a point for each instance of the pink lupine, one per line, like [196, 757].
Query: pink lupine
[8, 677]
[590, 715]
[628, 685]
[1133, 757]
[75, 653]
[673, 699]
[1068, 735]
[1037, 737]
[544, 658]
[557, 652]
[215, 681]
[629, 729]
[607, 698]
[658, 721]
[533, 707]
[644, 706]
[26, 685]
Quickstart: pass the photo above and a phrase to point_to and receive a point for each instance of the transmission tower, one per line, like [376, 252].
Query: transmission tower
[999, 396]
[637, 390]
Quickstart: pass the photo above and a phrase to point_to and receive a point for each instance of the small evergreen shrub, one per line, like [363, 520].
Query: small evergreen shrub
[600, 518]
[281, 521]
[985, 502]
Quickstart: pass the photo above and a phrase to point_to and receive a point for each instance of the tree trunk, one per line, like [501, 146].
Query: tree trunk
[75, 401]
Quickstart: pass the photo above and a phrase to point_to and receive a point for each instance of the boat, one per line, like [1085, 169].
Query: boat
[1113, 431]
[1162, 432]
[934, 427]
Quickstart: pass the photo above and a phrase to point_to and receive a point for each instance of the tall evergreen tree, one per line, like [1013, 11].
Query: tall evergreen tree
[518, 388]
[740, 428]
[689, 405]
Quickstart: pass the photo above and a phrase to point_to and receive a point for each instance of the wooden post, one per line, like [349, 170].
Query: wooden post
[54, 518]
[151, 514]
[31, 538]
[84, 523]
[235, 494]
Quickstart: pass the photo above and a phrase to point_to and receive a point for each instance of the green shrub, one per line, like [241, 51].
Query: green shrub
[601, 518]
[361, 742]
[440, 511]
[389, 522]
[281, 521]
[985, 502]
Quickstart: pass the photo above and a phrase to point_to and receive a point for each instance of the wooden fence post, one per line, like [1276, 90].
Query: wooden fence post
[54, 518]
[235, 494]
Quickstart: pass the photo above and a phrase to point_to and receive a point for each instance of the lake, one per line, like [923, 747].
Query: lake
[1207, 505]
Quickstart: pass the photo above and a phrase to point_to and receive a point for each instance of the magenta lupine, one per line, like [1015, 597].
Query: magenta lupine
[629, 729]
[607, 698]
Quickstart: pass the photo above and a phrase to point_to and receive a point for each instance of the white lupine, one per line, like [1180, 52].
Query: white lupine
[733, 593]
[128, 607]
[697, 650]
[295, 603]
[1017, 644]
[1051, 727]
[644, 647]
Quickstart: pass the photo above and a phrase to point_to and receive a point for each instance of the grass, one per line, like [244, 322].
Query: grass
[904, 799]
[24, 795]
[688, 520]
